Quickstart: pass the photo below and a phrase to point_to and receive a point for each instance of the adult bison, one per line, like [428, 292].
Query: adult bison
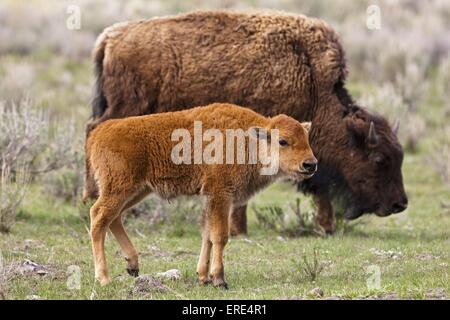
[273, 63]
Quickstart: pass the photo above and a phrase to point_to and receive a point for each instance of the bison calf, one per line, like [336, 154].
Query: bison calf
[133, 157]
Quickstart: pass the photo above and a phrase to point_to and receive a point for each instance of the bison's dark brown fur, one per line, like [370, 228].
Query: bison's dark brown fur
[273, 63]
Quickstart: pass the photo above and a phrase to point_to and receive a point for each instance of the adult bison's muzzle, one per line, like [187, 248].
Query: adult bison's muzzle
[353, 213]
[382, 209]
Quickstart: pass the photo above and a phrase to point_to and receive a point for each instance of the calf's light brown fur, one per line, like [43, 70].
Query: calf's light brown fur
[131, 158]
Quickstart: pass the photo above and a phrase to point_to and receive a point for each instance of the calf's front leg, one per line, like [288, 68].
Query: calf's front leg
[216, 227]
[205, 252]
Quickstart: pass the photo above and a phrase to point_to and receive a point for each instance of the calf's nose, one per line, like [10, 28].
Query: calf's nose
[310, 166]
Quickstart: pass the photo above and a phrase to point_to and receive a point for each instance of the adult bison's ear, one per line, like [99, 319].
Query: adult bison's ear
[259, 133]
[362, 132]
[357, 127]
[307, 126]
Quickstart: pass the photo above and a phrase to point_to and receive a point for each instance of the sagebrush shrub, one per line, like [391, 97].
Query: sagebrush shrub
[291, 221]
[440, 156]
[13, 188]
[31, 145]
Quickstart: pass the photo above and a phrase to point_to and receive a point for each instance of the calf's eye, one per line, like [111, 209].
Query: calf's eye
[283, 142]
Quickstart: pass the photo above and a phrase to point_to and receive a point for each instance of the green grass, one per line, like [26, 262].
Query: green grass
[262, 267]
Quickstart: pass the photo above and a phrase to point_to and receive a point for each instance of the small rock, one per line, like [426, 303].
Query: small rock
[33, 297]
[172, 274]
[29, 266]
[390, 296]
[387, 254]
[281, 238]
[316, 292]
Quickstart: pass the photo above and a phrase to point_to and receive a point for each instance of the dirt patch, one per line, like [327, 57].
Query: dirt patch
[381, 296]
[146, 285]
[29, 268]
[436, 294]
[426, 257]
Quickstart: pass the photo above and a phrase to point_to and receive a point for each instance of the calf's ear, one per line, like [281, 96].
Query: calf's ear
[307, 126]
[259, 133]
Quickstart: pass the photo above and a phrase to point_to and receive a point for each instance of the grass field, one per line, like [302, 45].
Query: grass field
[400, 71]
[412, 250]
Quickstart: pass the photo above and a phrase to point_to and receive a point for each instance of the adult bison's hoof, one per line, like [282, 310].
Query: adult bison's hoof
[133, 272]
[327, 228]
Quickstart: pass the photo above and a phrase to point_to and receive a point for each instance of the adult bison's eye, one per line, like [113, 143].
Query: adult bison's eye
[380, 161]
[283, 142]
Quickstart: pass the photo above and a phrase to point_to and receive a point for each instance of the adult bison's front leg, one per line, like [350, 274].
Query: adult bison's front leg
[238, 221]
[325, 213]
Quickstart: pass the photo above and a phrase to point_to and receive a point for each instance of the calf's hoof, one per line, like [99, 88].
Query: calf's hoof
[203, 279]
[220, 283]
[133, 272]
[204, 282]
[104, 280]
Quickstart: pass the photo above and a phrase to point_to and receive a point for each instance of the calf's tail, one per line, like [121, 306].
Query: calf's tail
[90, 190]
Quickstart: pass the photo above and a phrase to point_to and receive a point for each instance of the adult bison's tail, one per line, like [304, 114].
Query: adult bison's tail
[108, 36]
[98, 100]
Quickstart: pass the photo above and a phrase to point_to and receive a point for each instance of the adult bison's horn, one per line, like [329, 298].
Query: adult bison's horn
[396, 127]
[372, 139]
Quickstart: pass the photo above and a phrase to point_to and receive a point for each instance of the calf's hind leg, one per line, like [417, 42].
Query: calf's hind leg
[103, 212]
[118, 230]
[128, 249]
